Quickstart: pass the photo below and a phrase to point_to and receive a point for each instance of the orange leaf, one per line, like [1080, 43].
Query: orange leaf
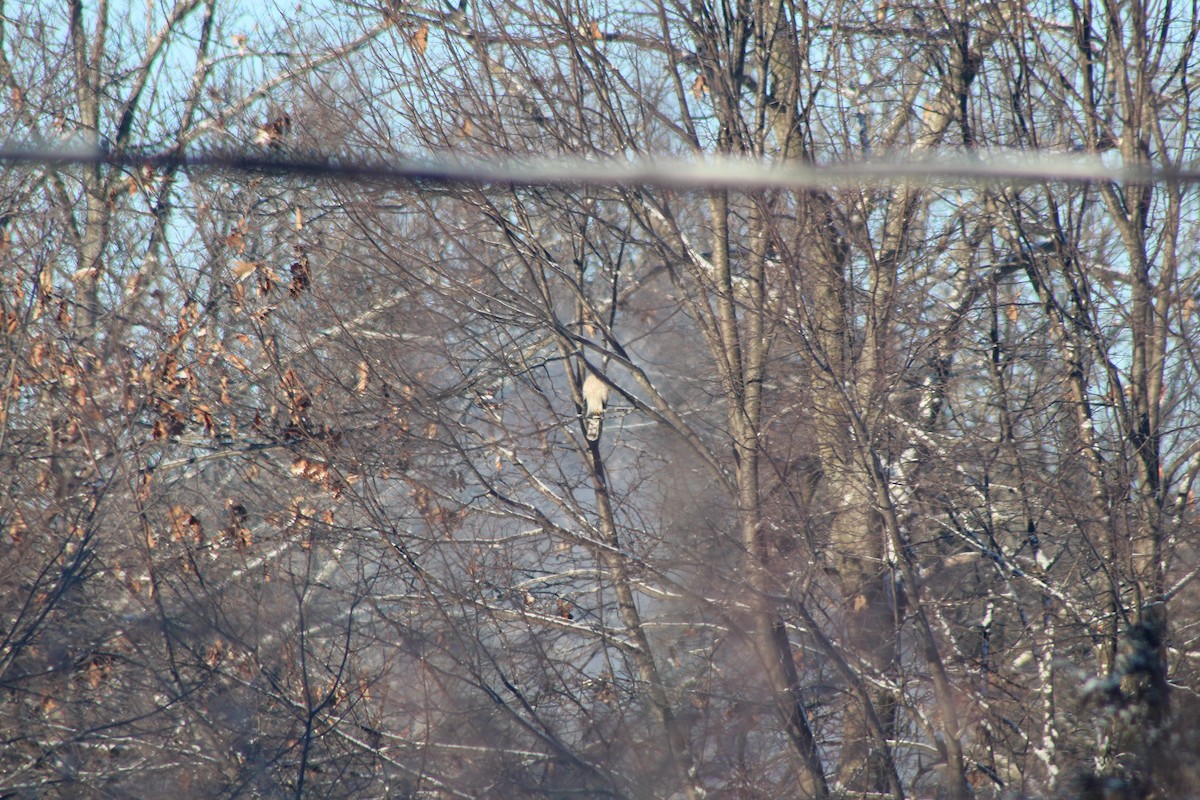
[266, 281]
[96, 673]
[301, 276]
[16, 527]
[214, 654]
[237, 362]
[420, 39]
[243, 269]
[364, 373]
[236, 241]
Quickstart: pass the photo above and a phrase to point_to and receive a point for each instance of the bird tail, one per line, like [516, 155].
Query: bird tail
[593, 427]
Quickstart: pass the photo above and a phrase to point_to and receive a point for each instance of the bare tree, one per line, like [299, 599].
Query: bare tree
[141, 645]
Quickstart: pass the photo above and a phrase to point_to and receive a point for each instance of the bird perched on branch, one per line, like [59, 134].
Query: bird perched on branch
[595, 398]
[269, 136]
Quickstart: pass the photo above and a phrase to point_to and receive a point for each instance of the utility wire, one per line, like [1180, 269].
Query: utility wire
[988, 167]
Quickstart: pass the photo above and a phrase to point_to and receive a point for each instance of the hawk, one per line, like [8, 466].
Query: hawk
[595, 398]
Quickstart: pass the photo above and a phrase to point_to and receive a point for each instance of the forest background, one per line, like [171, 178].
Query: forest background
[893, 495]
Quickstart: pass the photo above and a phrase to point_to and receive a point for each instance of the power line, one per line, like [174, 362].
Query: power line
[993, 167]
